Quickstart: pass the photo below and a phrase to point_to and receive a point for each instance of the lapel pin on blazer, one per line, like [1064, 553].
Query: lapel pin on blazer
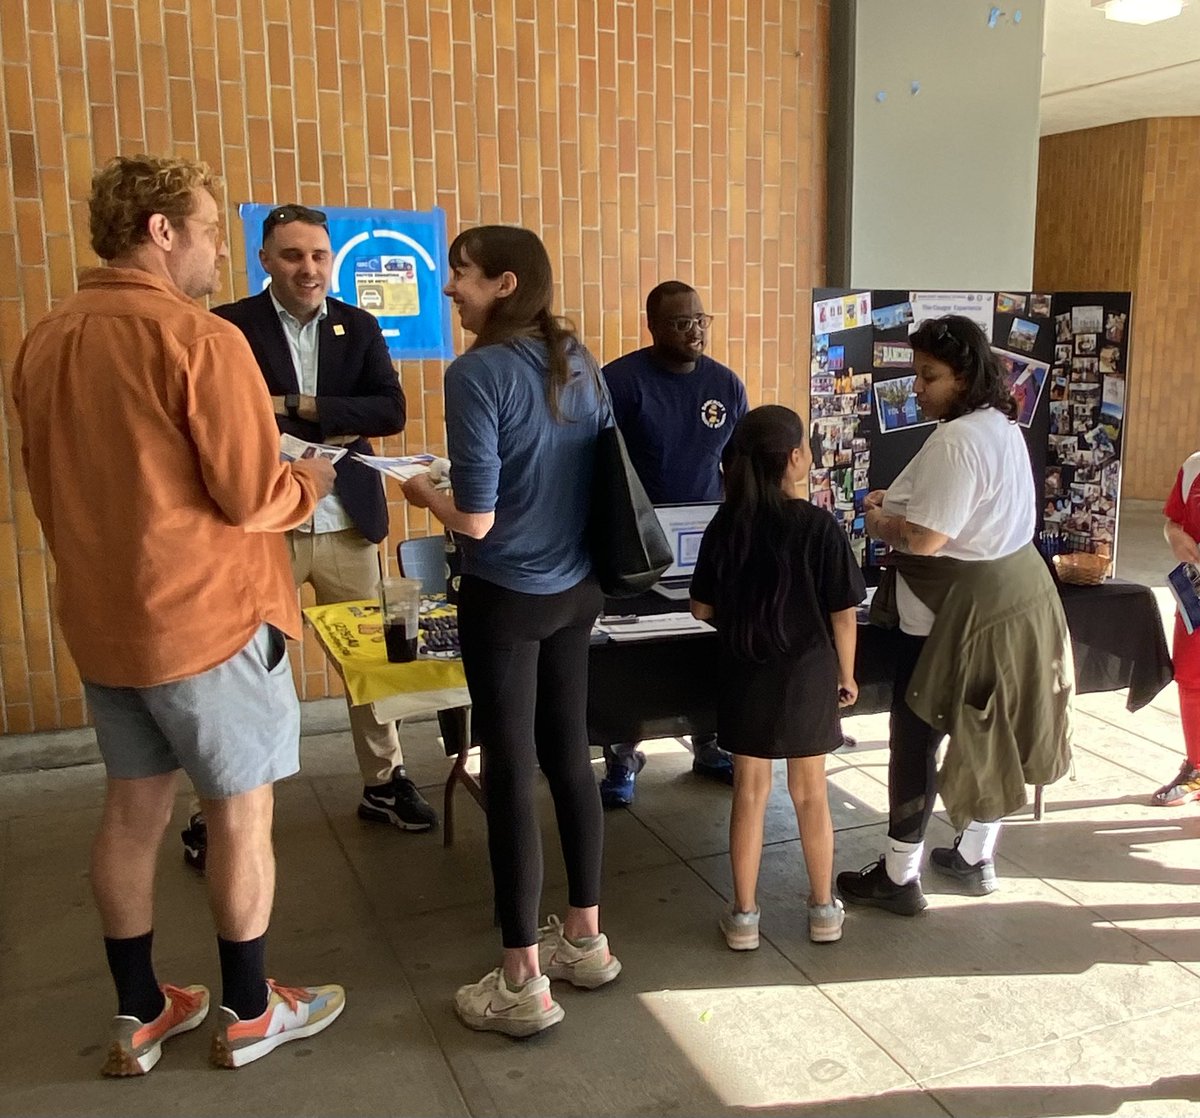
[339, 329]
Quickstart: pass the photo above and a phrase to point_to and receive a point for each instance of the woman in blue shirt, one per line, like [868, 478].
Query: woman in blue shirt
[523, 409]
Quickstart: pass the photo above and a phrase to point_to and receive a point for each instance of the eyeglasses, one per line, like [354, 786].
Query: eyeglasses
[683, 325]
[285, 215]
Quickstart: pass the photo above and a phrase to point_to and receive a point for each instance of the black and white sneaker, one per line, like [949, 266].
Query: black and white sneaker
[398, 802]
[978, 879]
[195, 842]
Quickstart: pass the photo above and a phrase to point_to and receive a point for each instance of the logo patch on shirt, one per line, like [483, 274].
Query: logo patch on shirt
[713, 414]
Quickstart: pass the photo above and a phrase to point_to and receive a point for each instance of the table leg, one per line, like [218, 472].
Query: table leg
[456, 729]
[1037, 801]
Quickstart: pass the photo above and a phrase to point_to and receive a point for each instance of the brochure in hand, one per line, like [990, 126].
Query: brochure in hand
[292, 448]
[407, 466]
[1184, 582]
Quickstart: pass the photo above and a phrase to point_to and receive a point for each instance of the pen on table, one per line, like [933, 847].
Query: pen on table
[618, 619]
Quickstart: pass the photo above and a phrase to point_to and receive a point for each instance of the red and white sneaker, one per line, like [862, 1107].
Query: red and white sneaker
[137, 1046]
[292, 1013]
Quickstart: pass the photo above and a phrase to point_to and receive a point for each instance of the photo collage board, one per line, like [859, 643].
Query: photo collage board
[1064, 355]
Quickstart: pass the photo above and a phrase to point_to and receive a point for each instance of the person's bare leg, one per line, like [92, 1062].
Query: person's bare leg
[125, 852]
[241, 862]
[810, 797]
[751, 789]
[582, 923]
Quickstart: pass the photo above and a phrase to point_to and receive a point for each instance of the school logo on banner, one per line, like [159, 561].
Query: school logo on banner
[713, 413]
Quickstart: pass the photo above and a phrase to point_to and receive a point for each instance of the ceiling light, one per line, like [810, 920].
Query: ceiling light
[1139, 11]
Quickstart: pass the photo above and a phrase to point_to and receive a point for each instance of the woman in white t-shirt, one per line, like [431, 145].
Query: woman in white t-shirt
[967, 495]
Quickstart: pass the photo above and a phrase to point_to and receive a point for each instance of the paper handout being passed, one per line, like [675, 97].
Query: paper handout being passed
[407, 466]
[292, 448]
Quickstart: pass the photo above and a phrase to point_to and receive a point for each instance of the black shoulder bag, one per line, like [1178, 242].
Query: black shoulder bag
[628, 547]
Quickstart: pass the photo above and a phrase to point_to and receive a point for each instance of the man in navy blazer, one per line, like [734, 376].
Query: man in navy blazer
[332, 381]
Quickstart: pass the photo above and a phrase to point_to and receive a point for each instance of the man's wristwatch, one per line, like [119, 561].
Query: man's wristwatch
[291, 404]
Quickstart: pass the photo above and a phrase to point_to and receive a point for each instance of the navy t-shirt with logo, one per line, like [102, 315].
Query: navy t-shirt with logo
[675, 424]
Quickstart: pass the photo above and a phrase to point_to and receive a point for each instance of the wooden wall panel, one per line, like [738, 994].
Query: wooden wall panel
[644, 140]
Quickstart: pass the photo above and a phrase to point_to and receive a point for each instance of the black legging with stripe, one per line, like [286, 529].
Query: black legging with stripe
[526, 662]
[913, 744]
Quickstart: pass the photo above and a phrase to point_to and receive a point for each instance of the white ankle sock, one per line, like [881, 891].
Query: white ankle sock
[977, 843]
[902, 860]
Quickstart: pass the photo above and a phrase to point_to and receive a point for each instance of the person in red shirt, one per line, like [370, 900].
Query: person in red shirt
[1182, 531]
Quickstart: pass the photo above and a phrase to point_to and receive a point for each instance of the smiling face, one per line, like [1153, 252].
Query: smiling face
[299, 259]
[474, 294]
[679, 328]
[937, 386]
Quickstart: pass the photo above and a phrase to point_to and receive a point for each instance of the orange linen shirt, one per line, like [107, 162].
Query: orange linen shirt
[150, 445]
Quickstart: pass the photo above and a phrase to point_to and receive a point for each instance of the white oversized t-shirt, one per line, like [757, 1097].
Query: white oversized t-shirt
[971, 481]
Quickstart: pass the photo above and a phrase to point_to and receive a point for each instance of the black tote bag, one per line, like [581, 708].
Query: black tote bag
[629, 550]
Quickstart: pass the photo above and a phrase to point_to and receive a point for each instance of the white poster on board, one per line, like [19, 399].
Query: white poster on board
[978, 306]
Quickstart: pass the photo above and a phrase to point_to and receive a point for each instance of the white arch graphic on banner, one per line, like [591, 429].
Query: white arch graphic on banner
[358, 239]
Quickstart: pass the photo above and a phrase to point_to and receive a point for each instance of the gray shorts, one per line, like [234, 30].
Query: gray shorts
[231, 728]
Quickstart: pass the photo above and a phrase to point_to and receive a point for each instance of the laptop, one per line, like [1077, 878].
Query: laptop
[683, 525]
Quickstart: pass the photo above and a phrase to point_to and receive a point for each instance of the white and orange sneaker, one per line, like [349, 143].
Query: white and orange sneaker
[292, 1013]
[137, 1047]
[587, 962]
[489, 1005]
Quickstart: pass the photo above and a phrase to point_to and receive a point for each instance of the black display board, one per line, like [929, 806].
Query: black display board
[1065, 355]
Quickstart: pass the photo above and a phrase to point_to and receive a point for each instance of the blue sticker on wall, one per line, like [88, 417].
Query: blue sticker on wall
[391, 263]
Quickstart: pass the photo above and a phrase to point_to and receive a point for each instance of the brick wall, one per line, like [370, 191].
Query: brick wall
[644, 140]
[1117, 211]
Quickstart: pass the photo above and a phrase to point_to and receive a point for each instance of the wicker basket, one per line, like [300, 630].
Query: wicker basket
[1082, 568]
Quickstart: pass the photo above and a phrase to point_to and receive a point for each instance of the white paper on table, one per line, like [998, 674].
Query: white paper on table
[653, 625]
[293, 449]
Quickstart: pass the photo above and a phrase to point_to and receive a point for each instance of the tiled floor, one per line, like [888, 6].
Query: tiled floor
[1074, 990]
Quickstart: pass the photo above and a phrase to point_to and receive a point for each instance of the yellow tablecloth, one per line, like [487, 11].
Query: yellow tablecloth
[351, 633]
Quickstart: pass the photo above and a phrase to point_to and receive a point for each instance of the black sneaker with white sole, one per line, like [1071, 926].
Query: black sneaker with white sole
[978, 879]
[398, 802]
[872, 886]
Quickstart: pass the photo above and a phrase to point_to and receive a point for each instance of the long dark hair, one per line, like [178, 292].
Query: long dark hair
[753, 562]
[962, 345]
[528, 311]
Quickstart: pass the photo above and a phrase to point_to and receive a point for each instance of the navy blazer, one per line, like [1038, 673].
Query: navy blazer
[358, 393]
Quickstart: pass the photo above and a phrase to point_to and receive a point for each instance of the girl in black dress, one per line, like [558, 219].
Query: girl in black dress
[778, 579]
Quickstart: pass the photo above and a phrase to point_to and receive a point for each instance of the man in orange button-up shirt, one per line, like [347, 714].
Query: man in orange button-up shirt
[153, 465]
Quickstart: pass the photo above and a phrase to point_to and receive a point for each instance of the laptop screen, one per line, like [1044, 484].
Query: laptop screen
[684, 525]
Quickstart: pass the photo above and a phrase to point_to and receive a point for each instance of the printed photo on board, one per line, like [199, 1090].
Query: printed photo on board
[897, 405]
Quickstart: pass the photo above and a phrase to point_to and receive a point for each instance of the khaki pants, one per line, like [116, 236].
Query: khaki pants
[343, 566]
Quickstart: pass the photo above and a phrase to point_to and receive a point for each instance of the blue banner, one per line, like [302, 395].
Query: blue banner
[391, 263]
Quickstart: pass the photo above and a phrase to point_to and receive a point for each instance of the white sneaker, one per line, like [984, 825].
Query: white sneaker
[740, 929]
[825, 921]
[587, 963]
[490, 1005]
[292, 1012]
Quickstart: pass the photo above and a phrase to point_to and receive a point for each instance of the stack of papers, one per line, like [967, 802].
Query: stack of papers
[632, 628]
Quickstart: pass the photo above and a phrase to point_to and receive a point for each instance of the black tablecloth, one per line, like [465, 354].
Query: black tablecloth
[666, 687]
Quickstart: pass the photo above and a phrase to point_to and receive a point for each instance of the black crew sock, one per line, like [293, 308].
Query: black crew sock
[138, 994]
[243, 976]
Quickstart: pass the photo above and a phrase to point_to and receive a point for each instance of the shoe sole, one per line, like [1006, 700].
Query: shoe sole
[510, 1026]
[584, 980]
[121, 1063]
[222, 1056]
[972, 884]
[741, 941]
[611, 803]
[383, 815]
[825, 935]
[906, 909]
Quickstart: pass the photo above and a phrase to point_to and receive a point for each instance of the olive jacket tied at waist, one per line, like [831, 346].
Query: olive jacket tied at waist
[996, 674]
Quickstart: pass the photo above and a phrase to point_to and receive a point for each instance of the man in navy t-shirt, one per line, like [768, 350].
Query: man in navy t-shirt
[676, 409]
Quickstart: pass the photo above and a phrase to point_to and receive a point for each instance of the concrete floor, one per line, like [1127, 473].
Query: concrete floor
[1072, 991]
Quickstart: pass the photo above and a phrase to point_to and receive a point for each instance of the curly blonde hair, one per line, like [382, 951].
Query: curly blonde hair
[128, 190]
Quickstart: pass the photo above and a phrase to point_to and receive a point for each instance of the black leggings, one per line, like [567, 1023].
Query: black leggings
[526, 662]
[912, 766]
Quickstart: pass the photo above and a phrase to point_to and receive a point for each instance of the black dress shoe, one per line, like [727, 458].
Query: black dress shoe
[978, 879]
[872, 886]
